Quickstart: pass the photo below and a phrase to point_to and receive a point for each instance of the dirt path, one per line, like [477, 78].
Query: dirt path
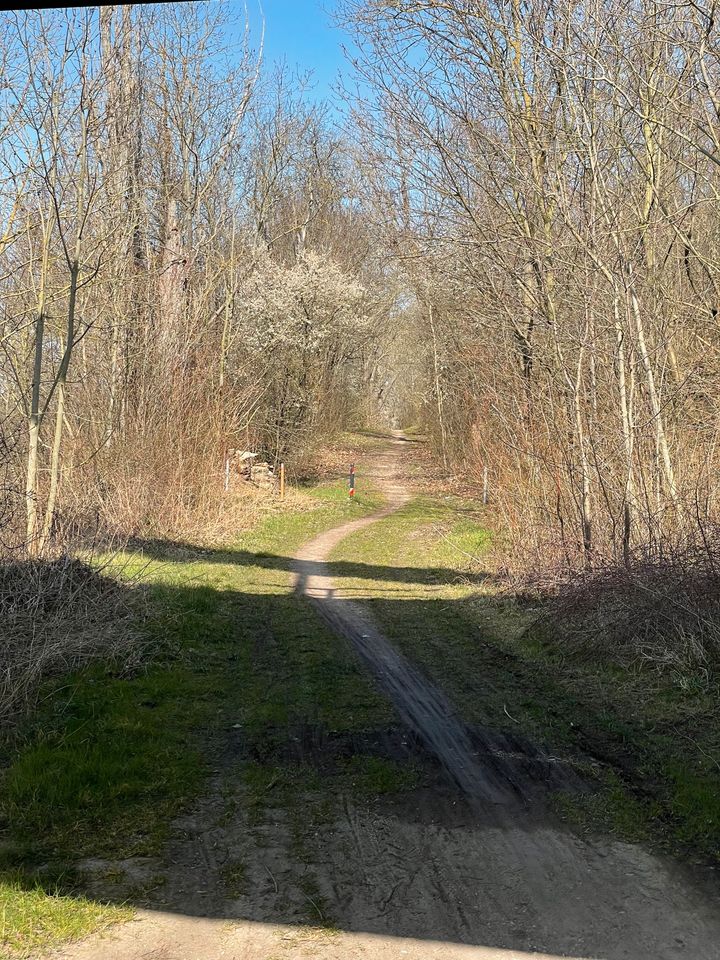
[421, 705]
[476, 763]
[476, 868]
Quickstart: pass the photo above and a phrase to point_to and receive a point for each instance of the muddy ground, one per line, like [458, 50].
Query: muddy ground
[470, 864]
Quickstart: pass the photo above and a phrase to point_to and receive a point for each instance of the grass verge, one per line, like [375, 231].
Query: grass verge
[31, 918]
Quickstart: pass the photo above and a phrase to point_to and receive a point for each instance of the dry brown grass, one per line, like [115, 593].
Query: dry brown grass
[57, 615]
[660, 613]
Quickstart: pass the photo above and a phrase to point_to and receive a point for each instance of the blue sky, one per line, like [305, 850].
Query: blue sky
[300, 31]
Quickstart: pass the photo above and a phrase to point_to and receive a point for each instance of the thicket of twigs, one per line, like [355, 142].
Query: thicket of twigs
[514, 242]
[653, 614]
[58, 615]
[549, 177]
[183, 272]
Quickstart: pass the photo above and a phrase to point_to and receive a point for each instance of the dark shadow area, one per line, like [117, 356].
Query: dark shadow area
[256, 709]
[391, 437]
[54, 614]
[175, 551]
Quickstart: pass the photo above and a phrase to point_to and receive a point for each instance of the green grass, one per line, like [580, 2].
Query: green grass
[378, 776]
[695, 802]
[234, 878]
[362, 439]
[420, 571]
[611, 808]
[111, 756]
[31, 919]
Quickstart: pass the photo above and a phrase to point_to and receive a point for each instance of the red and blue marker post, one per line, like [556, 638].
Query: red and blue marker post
[352, 480]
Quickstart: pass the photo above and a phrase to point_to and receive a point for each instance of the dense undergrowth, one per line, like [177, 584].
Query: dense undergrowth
[58, 614]
[659, 615]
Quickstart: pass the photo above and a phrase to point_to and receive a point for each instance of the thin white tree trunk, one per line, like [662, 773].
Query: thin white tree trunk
[655, 404]
[438, 389]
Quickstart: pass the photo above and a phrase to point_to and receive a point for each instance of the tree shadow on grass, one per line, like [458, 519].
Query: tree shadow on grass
[176, 551]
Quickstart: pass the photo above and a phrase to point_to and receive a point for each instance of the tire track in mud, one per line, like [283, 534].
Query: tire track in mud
[496, 779]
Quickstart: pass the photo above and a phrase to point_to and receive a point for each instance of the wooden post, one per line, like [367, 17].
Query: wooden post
[485, 485]
[282, 481]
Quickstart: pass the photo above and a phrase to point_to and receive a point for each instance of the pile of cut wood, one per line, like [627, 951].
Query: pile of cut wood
[246, 466]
